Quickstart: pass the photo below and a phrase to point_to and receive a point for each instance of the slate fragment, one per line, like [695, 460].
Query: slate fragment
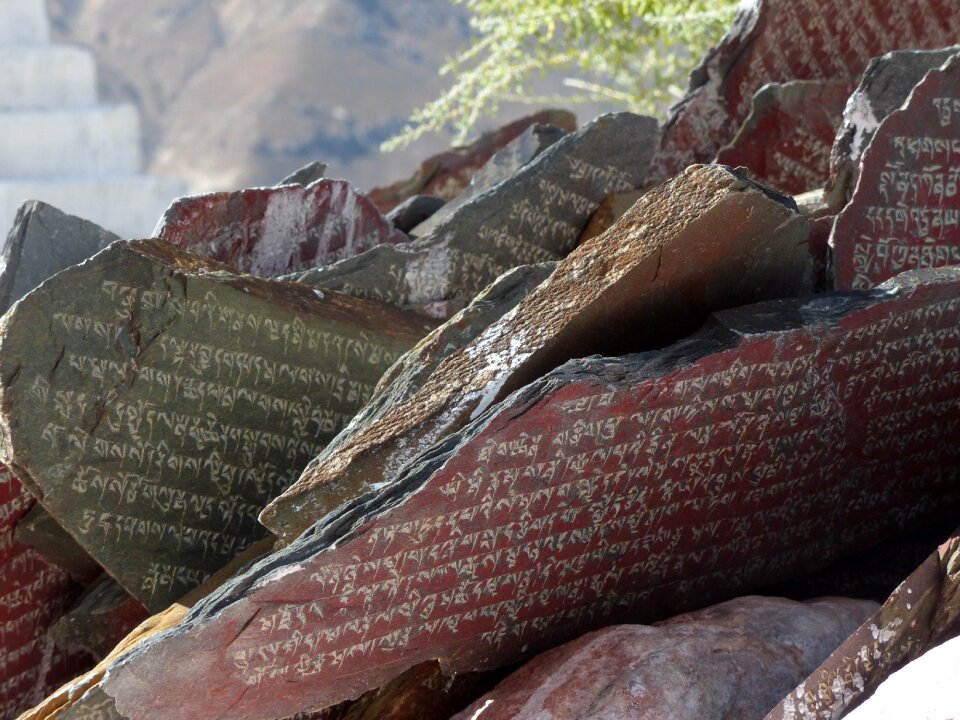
[413, 211]
[783, 436]
[787, 138]
[517, 153]
[446, 174]
[921, 613]
[706, 240]
[42, 242]
[784, 40]
[733, 660]
[273, 231]
[166, 400]
[905, 210]
[103, 616]
[308, 174]
[41, 532]
[885, 86]
[534, 216]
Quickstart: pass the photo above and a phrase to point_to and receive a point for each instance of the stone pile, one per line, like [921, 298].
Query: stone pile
[464, 447]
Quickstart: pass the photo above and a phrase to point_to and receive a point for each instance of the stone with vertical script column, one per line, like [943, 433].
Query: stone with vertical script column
[154, 401]
[778, 439]
[905, 210]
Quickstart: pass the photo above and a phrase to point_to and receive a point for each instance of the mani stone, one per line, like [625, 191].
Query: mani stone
[885, 86]
[33, 596]
[521, 150]
[309, 173]
[41, 532]
[706, 240]
[413, 211]
[784, 40]
[446, 174]
[274, 231]
[733, 660]
[787, 138]
[905, 211]
[42, 242]
[613, 490]
[534, 216]
[154, 402]
[921, 613]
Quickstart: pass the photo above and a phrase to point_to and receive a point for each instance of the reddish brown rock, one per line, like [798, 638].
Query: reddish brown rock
[708, 239]
[33, 596]
[783, 436]
[612, 209]
[886, 84]
[922, 613]
[273, 231]
[787, 138]
[447, 174]
[905, 211]
[727, 662]
[783, 40]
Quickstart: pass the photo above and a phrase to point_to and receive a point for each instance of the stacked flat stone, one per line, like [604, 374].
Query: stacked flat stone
[58, 144]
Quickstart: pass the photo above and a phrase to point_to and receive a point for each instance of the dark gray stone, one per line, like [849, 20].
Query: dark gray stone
[43, 242]
[309, 173]
[413, 211]
[534, 216]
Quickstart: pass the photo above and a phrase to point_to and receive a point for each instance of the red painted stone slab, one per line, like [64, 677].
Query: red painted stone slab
[786, 140]
[611, 490]
[921, 613]
[33, 596]
[274, 231]
[447, 174]
[782, 40]
[905, 210]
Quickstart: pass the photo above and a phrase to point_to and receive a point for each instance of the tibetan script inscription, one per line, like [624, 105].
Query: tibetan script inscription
[783, 40]
[905, 211]
[274, 231]
[783, 436]
[164, 400]
[33, 595]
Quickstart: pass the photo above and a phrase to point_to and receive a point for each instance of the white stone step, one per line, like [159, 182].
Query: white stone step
[103, 140]
[130, 206]
[46, 77]
[24, 22]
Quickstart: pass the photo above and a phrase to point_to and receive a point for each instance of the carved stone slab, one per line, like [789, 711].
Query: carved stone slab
[706, 240]
[905, 211]
[42, 242]
[923, 612]
[534, 216]
[517, 153]
[33, 596]
[273, 231]
[886, 84]
[783, 40]
[787, 138]
[783, 436]
[165, 400]
[446, 174]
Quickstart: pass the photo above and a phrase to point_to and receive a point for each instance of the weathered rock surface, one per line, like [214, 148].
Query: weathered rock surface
[926, 689]
[517, 153]
[309, 173]
[273, 231]
[610, 210]
[905, 210]
[167, 400]
[784, 40]
[447, 174]
[787, 138]
[33, 596]
[42, 242]
[413, 211]
[734, 660]
[534, 216]
[41, 532]
[885, 86]
[922, 613]
[706, 240]
[99, 620]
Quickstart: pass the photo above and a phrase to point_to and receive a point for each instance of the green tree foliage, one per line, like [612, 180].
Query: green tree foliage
[632, 52]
